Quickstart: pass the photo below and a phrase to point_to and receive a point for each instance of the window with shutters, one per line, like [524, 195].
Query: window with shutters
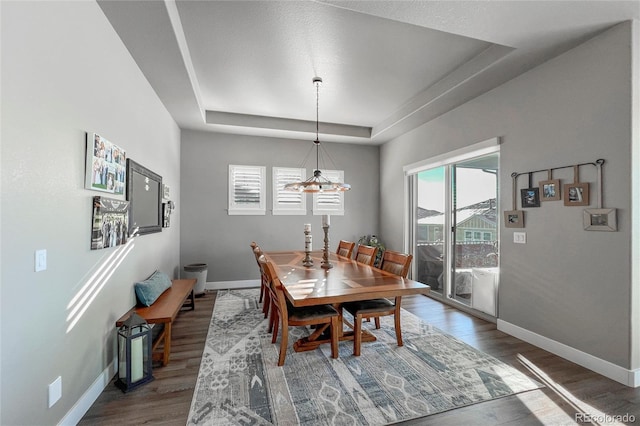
[287, 202]
[247, 190]
[330, 202]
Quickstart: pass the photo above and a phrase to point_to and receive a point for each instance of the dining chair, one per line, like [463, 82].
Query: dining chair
[264, 295]
[397, 264]
[270, 297]
[345, 248]
[287, 315]
[366, 254]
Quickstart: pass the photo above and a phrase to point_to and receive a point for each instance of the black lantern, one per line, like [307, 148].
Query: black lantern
[134, 353]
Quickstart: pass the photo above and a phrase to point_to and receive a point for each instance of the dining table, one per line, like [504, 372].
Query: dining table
[345, 281]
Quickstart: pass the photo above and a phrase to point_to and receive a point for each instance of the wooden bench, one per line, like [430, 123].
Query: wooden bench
[163, 312]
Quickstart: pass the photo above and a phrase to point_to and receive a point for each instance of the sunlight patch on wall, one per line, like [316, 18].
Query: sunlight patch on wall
[90, 290]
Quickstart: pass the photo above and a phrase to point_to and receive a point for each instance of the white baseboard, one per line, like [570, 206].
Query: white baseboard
[224, 285]
[81, 407]
[622, 375]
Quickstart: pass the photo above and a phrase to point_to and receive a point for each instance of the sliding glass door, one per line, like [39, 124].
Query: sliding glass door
[456, 230]
[432, 223]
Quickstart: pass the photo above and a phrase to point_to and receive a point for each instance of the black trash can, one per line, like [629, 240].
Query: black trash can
[198, 271]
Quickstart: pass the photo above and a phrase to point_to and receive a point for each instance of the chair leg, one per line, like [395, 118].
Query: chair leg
[396, 318]
[283, 343]
[261, 292]
[357, 334]
[377, 321]
[334, 337]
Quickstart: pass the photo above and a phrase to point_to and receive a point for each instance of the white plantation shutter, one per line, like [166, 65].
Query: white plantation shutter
[247, 190]
[330, 202]
[287, 202]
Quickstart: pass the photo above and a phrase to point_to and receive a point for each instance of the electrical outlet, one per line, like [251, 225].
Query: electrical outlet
[520, 237]
[55, 391]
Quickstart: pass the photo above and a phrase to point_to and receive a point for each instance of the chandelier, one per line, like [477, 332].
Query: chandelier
[317, 183]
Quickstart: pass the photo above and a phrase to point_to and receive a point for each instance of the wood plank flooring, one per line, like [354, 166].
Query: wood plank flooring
[570, 390]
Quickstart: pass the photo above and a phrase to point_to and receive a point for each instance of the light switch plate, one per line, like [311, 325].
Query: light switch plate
[520, 237]
[41, 260]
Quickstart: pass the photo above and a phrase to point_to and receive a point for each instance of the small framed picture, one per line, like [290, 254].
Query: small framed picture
[600, 220]
[530, 197]
[166, 215]
[576, 194]
[514, 219]
[550, 190]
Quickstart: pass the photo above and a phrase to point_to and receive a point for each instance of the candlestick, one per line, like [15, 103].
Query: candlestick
[325, 252]
[326, 220]
[307, 246]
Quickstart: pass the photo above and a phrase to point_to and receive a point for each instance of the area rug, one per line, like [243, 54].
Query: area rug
[239, 382]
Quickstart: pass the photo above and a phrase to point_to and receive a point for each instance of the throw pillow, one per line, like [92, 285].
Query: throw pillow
[149, 290]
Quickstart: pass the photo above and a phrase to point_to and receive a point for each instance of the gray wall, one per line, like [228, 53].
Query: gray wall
[211, 236]
[565, 284]
[65, 72]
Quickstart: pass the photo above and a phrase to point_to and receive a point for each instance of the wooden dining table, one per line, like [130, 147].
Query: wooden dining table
[346, 281]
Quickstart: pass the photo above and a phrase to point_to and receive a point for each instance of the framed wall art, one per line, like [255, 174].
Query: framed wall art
[105, 168]
[514, 219]
[576, 194]
[550, 190]
[167, 208]
[599, 220]
[144, 192]
[110, 222]
[530, 197]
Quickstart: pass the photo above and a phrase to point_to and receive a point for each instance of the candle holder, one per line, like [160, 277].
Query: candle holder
[325, 252]
[307, 248]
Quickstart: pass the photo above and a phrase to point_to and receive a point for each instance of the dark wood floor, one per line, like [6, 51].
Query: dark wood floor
[569, 390]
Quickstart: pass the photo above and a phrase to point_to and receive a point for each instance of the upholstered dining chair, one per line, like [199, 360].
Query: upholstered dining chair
[397, 264]
[287, 315]
[345, 248]
[366, 254]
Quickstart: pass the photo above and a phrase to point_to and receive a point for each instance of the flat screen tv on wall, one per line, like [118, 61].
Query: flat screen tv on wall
[144, 193]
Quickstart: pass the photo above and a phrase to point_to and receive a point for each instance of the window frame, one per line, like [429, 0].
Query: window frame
[247, 209]
[279, 208]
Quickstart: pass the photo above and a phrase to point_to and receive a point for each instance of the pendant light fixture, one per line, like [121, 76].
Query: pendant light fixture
[317, 183]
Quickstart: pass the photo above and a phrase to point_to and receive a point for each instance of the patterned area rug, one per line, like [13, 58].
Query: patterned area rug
[239, 382]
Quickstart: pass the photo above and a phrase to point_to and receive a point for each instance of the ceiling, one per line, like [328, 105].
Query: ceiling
[246, 67]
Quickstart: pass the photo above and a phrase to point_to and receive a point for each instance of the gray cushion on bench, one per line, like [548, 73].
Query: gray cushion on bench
[149, 290]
